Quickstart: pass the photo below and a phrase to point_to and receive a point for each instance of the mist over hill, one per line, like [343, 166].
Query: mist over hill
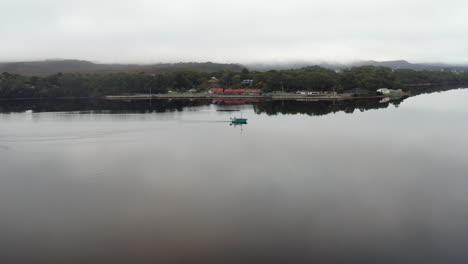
[402, 64]
[397, 64]
[80, 66]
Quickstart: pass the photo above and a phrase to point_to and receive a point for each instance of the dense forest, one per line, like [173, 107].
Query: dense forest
[308, 78]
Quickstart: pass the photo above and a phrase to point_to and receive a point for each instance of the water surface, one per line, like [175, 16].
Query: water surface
[172, 182]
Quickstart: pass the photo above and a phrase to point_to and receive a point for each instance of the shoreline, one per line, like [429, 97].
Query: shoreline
[246, 97]
[212, 97]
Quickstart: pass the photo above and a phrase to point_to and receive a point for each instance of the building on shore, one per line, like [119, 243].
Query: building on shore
[247, 83]
[217, 91]
[389, 91]
[212, 83]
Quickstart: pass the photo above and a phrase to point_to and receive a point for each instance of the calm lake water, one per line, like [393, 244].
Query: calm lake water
[373, 181]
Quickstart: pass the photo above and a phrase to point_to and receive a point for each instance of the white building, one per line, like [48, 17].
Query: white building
[388, 91]
[384, 90]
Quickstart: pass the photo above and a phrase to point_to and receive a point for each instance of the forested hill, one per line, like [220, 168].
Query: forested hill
[48, 67]
[395, 65]
[402, 64]
[79, 66]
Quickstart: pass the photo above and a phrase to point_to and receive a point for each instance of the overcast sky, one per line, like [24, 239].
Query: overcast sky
[147, 31]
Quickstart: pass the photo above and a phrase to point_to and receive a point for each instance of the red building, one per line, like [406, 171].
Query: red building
[217, 90]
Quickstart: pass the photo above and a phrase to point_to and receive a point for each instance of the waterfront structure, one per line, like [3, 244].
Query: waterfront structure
[212, 83]
[388, 91]
[384, 90]
[217, 90]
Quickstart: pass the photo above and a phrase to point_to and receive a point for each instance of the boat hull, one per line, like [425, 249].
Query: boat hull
[238, 121]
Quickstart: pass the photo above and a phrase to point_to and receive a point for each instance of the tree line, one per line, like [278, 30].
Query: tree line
[308, 78]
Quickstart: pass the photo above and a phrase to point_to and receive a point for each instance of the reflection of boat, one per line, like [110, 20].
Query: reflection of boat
[238, 121]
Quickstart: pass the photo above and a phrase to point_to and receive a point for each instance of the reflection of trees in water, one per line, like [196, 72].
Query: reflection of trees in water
[147, 106]
[347, 106]
[111, 106]
[322, 107]
[431, 89]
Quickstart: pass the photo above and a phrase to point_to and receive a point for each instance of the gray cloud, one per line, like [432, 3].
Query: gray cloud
[234, 31]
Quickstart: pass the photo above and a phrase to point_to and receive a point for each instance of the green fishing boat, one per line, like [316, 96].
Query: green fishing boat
[238, 121]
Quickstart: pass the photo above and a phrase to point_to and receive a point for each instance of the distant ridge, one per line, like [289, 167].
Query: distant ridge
[396, 64]
[402, 64]
[80, 66]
